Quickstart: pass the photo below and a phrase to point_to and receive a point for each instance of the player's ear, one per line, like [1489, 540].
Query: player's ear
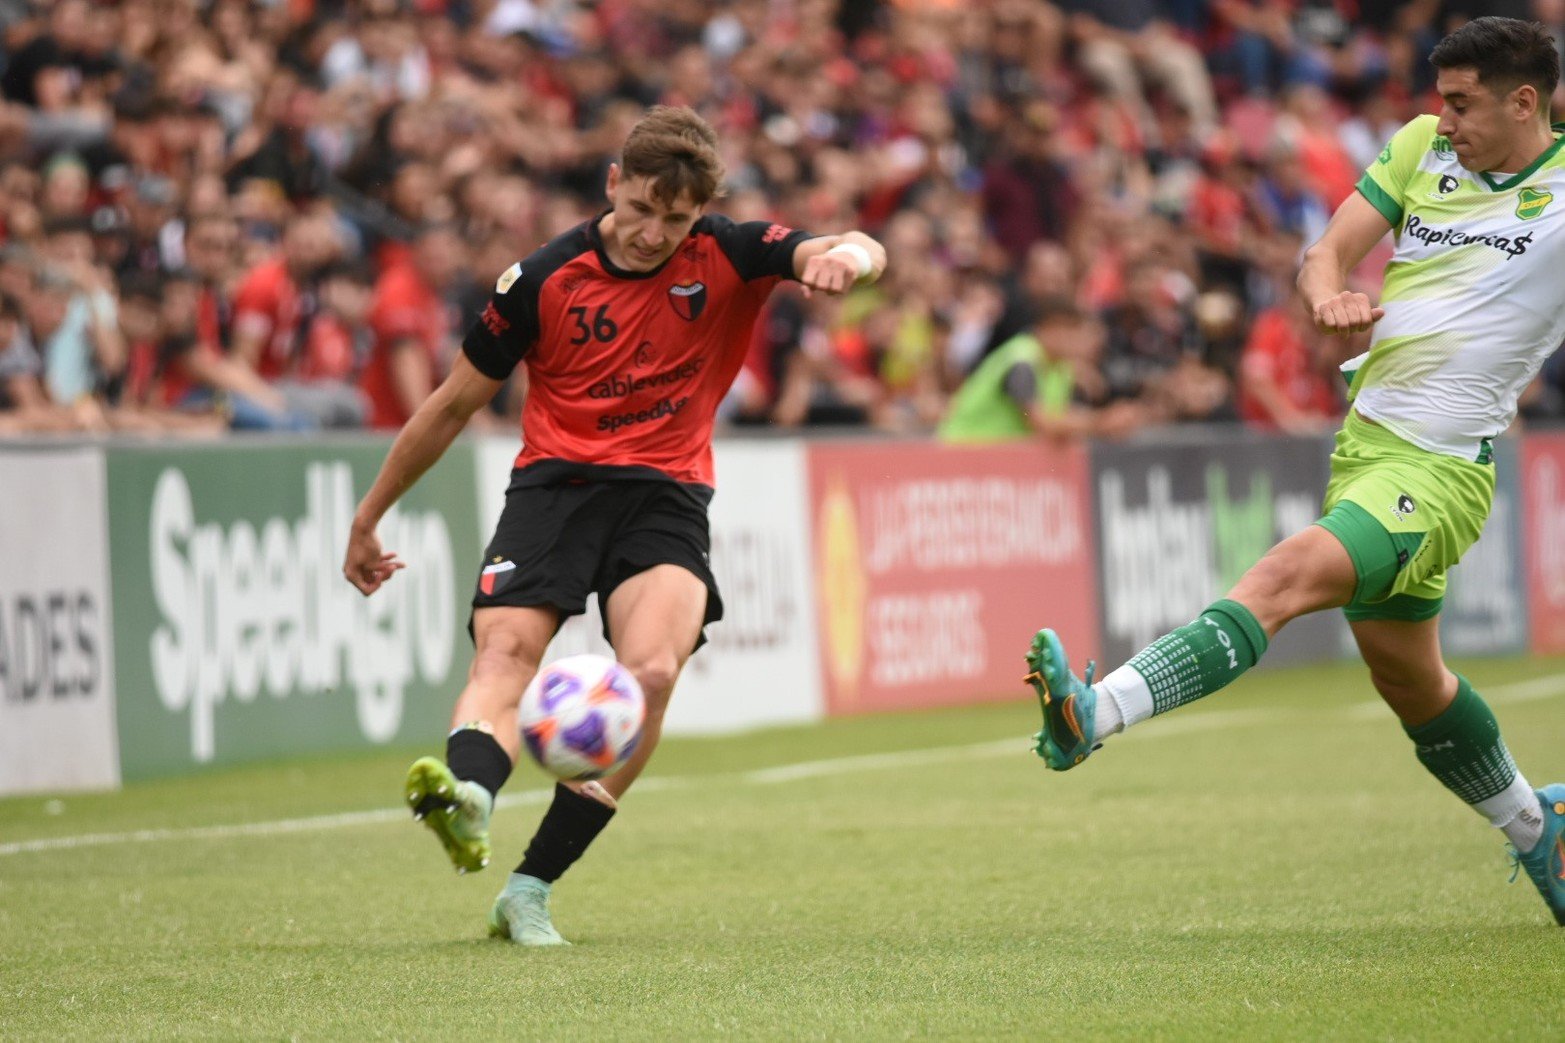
[613, 181]
[1525, 98]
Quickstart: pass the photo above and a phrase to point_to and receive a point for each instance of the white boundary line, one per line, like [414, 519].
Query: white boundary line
[1518, 692]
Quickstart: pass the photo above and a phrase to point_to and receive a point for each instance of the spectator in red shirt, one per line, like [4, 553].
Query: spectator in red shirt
[415, 327]
[211, 255]
[276, 298]
[1286, 380]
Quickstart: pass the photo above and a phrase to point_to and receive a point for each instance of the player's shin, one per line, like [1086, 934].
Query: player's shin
[572, 822]
[1182, 666]
[1463, 749]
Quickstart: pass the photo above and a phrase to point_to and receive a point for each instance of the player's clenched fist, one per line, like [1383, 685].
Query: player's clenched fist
[1346, 313]
[835, 270]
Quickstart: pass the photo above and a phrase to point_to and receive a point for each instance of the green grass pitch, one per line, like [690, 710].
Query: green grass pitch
[1271, 863]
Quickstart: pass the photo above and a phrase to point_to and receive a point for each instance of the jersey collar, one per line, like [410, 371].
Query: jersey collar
[595, 237]
[1531, 168]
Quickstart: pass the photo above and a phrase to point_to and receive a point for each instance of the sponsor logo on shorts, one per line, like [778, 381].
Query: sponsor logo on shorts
[496, 575]
[1403, 507]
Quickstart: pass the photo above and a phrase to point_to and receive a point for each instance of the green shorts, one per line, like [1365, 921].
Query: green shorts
[1405, 515]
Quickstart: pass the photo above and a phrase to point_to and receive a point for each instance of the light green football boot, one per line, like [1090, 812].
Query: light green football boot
[521, 913]
[457, 812]
[1069, 704]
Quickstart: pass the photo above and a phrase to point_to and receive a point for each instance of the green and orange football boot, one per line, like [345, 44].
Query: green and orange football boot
[1069, 704]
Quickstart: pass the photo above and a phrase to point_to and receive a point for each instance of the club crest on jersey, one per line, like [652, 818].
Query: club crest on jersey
[508, 278]
[496, 576]
[1531, 201]
[1403, 507]
[1446, 185]
[689, 299]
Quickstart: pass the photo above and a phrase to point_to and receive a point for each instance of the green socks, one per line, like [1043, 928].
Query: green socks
[1200, 657]
[1463, 749]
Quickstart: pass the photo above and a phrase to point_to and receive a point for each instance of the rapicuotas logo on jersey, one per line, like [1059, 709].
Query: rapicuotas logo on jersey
[1434, 235]
[688, 299]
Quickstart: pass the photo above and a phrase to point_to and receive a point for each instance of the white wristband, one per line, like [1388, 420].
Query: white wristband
[861, 258]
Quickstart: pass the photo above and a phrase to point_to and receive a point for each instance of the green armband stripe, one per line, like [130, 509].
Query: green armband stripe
[1380, 200]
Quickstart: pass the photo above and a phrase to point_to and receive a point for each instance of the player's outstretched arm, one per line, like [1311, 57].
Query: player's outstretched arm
[1354, 230]
[834, 263]
[426, 436]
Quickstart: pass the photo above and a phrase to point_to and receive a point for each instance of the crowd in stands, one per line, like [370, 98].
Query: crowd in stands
[282, 214]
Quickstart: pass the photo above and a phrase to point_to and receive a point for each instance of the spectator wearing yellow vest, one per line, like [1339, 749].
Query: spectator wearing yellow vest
[1038, 383]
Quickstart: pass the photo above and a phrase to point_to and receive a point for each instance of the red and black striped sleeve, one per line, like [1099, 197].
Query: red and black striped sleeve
[757, 249]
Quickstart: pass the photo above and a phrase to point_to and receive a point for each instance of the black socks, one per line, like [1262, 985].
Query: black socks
[473, 754]
[572, 822]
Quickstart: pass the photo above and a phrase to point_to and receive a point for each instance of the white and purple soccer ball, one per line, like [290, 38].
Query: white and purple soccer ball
[581, 717]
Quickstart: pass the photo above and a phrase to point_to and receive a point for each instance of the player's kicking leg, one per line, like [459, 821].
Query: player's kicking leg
[455, 798]
[655, 619]
[1305, 573]
[1457, 740]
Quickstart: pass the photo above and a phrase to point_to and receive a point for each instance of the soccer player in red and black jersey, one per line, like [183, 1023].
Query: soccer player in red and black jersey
[632, 326]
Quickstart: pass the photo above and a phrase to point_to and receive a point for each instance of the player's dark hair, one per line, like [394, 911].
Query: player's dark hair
[1505, 52]
[676, 150]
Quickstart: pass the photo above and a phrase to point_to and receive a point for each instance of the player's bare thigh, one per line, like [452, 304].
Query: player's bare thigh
[1406, 666]
[509, 645]
[655, 618]
[1305, 573]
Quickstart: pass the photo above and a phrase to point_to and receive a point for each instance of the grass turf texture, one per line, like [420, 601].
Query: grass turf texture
[1270, 863]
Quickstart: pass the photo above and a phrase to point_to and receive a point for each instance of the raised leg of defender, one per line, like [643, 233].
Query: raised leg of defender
[1309, 571]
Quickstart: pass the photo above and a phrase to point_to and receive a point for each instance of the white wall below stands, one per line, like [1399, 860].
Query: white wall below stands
[761, 665]
[57, 727]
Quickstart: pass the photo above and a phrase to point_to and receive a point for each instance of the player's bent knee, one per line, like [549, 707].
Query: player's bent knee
[656, 675]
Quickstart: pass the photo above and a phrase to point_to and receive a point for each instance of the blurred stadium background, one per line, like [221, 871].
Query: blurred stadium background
[242, 240]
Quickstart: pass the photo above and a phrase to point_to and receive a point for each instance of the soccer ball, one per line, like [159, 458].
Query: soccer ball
[581, 717]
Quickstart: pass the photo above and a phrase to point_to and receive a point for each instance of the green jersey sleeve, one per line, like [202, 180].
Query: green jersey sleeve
[1384, 184]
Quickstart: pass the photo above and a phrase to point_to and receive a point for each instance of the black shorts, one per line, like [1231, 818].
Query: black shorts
[557, 543]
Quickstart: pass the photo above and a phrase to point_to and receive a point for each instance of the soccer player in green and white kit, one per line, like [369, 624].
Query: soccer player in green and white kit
[1471, 307]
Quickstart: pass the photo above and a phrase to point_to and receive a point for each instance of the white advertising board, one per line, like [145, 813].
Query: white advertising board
[57, 727]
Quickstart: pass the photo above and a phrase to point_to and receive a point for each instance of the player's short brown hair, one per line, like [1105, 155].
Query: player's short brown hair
[1505, 53]
[676, 150]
